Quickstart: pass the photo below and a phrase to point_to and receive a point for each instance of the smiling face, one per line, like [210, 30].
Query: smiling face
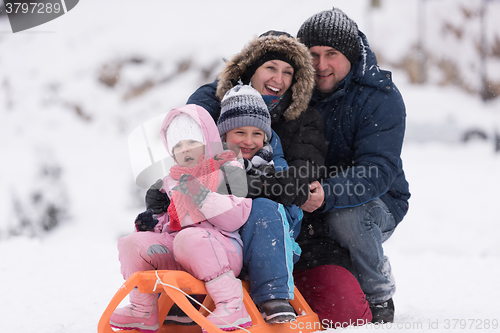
[273, 77]
[187, 153]
[331, 67]
[249, 139]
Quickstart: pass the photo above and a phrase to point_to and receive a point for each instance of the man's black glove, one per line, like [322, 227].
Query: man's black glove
[157, 200]
[280, 186]
[295, 190]
[145, 221]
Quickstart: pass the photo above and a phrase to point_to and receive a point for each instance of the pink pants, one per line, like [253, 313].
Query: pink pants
[334, 294]
[206, 254]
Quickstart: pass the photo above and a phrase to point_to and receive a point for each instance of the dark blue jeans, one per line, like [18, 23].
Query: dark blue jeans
[362, 230]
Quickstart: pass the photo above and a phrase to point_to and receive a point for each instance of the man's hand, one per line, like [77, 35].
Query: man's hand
[316, 197]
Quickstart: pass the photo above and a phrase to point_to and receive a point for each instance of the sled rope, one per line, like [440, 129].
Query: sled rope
[159, 281]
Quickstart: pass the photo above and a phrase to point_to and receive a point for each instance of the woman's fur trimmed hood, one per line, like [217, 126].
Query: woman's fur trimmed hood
[304, 77]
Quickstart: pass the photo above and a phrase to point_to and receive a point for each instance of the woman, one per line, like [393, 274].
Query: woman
[280, 68]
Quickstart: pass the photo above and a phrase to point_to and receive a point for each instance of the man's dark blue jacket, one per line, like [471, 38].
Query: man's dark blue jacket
[364, 128]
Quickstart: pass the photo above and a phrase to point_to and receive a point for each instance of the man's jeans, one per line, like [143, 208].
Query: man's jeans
[362, 230]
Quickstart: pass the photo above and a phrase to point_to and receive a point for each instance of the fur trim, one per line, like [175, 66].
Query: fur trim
[301, 90]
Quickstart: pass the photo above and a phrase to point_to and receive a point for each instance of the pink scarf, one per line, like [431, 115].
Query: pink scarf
[205, 172]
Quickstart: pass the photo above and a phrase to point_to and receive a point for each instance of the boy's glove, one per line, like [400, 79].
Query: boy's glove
[157, 200]
[263, 169]
[190, 185]
[145, 221]
[263, 156]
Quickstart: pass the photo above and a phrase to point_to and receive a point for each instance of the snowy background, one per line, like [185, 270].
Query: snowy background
[72, 90]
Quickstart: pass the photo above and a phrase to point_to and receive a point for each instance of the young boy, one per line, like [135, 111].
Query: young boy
[245, 126]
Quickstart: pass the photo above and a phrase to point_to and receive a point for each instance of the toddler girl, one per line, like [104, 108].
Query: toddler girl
[199, 232]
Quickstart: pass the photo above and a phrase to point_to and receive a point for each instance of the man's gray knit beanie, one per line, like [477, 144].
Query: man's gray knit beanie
[332, 28]
[243, 106]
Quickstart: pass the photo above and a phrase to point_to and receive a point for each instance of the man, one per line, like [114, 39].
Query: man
[365, 194]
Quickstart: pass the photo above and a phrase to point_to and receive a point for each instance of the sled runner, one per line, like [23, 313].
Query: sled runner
[172, 284]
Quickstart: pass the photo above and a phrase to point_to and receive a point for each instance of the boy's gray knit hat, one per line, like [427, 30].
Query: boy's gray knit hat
[332, 28]
[243, 106]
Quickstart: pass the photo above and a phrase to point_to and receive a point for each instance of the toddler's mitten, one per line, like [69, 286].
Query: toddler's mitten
[145, 221]
[191, 186]
[156, 199]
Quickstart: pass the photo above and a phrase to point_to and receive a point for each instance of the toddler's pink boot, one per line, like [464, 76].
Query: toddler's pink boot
[141, 314]
[230, 312]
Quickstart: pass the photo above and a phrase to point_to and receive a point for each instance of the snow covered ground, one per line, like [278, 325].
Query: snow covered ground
[55, 111]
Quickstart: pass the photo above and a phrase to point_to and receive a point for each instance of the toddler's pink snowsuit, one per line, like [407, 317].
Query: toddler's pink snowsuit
[210, 250]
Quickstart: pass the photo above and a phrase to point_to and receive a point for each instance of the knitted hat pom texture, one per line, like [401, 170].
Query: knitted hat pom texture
[332, 28]
[243, 106]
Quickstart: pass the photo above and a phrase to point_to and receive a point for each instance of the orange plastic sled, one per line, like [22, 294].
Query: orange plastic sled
[157, 281]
